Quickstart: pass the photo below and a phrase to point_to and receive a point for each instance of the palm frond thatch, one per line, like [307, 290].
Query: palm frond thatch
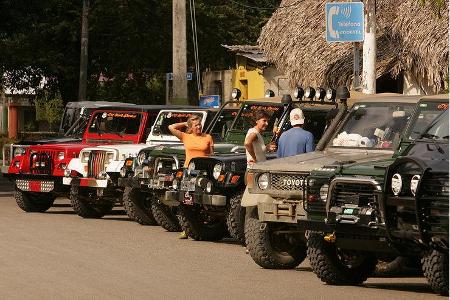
[410, 37]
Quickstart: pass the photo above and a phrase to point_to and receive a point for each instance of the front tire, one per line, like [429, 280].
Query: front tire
[199, 226]
[86, 208]
[236, 218]
[33, 202]
[269, 250]
[137, 206]
[165, 217]
[435, 269]
[331, 267]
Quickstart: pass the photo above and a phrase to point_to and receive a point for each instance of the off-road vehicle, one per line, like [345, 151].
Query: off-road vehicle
[281, 195]
[354, 212]
[97, 169]
[146, 177]
[38, 173]
[415, 208]
[209, 194]
[71, 129]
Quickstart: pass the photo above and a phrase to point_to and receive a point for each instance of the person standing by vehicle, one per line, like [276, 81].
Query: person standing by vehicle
[254, 142]
[196, 143]
[296, 140]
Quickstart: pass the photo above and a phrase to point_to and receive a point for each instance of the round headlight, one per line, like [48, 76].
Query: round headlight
[123, 171]
[67, 172]
[396, 184]
[269, 94]
[320, 93]
[174, 166]
[414, 183]
[310, 92]
[160, 165]
[141, 157]
[175, 184]
[191, 167]
[60, 155]
[217, 170]
[299, 92]
[236, 94]
[19, 151]
[85, 157]
[323, 193]
[331, 94]
[263, 181]
[109, 157]
[209, 187]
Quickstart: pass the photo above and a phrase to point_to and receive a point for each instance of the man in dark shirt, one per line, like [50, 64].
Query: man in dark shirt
[296, 140]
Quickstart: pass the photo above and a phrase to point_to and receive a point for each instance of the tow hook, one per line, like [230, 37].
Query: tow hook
[331, 238]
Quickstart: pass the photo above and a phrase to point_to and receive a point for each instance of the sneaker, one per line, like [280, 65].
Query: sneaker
[183, 235]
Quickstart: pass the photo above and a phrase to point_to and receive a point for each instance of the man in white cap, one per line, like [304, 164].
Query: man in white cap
[296, 140]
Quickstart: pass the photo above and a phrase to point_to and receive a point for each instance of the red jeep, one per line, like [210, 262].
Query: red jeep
[38, 172]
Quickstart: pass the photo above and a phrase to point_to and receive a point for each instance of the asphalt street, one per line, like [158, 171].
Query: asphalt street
[58, 255]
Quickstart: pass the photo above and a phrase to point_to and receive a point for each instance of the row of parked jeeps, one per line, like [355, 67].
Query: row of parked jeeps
[375, 188]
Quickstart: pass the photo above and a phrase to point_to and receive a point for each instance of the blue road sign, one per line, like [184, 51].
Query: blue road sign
[209, 101]
[344, 21]
[169, 76]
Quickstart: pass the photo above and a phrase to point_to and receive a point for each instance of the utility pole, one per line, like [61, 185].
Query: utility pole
[370, 49]
[179, 64]
[84, 51]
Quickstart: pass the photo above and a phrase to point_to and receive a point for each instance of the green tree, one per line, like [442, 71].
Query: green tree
[49, 109]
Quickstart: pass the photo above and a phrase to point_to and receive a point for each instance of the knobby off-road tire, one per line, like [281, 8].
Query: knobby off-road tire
[267, 253]
[435, 269]
[84, 207]
[33, 202]
[236, 218]
[329, 267]
[165, 217]
[196, 225]
[138, 206]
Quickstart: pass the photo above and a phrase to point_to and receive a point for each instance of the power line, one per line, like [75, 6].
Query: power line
[265, 8]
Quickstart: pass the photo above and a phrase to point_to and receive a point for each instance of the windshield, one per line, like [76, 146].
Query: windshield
[167, 118]
[69, 118]
[115, 122]
[245, 119]
[222, 124]
[427, 112]
[373, 125]
[439, 129]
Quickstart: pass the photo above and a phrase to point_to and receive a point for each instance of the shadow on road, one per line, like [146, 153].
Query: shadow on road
[303, 269]
[61, 205]
[402, 287]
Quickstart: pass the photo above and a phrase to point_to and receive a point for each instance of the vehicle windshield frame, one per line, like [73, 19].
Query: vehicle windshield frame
[139, 118]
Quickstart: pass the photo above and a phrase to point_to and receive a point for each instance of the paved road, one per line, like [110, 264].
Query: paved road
[57, 255]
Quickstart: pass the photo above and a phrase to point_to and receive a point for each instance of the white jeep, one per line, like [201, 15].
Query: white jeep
[93, 175]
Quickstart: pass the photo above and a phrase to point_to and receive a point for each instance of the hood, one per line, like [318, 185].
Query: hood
[371, 168]
[122, 149]
[219, 149]
[62, 147]
[309, 161]
[55, 140]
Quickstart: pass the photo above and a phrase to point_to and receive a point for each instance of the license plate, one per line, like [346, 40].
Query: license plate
[348, 211]
[188, 199]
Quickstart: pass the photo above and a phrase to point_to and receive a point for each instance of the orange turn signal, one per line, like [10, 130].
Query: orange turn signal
[221, 178]
[249, 177]
[129, 163]
[234, 179]
[179, 174]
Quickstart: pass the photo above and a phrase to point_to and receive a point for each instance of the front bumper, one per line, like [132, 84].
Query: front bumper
[41, 184]
[175, 198]
[86, 182]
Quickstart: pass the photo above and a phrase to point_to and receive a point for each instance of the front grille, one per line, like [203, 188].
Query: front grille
[433, 204]
[41, 162]
[205, 164]
[287, 182]
[163, 166]
[97, 163]
[360, 194]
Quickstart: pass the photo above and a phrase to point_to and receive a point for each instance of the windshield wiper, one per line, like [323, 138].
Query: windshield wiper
[429, 136]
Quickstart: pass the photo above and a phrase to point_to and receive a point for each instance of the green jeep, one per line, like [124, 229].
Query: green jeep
[285, 197]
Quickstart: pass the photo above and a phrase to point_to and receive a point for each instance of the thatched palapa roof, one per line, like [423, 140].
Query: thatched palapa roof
[410, 37]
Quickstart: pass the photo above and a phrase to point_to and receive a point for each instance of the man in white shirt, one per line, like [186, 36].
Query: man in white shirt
[254, 142]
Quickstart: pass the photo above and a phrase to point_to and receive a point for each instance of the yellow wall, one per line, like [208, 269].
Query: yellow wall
[249, 79]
